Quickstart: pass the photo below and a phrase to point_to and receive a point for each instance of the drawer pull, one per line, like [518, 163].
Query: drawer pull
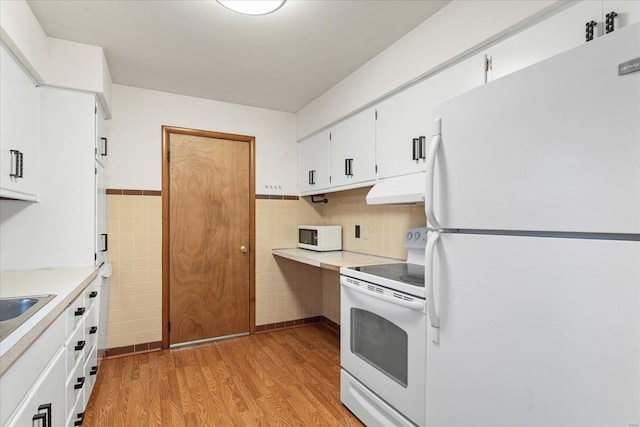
[80, 345]
[79, 384]
[94, 370]
[93, 330]
[80, 311]
[80, 420]
[93, 294]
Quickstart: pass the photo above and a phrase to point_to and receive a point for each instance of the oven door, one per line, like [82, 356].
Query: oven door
[382, 344]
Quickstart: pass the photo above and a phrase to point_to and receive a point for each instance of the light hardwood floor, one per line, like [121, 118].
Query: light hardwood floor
[288, 377]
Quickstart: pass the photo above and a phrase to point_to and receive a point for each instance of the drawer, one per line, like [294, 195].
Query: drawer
[18, 379]
[75, 313]
[74, 386]
[76, 348]
[90, 373]
[92, 293]
[91, 327]
[76, 414]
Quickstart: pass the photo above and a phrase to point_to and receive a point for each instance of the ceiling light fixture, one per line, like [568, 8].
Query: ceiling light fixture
[252, 7]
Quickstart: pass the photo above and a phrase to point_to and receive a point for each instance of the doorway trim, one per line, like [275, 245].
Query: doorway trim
[166, 133]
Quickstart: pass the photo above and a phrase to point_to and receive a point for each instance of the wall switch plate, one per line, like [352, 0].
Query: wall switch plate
[364, 232]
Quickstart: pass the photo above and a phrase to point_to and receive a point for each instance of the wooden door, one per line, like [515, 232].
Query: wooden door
[208, 196]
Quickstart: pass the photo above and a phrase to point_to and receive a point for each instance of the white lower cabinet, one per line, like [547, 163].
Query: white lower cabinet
[67, 351]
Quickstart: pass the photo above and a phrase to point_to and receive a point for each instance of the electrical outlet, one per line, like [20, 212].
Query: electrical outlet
[364, 232]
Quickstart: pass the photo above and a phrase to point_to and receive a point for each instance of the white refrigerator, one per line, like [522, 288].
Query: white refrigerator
[533, 258]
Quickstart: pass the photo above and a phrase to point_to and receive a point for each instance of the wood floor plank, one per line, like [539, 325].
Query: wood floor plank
[286, 378]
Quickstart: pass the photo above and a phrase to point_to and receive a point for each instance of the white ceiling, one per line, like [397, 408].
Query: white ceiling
[281, 61]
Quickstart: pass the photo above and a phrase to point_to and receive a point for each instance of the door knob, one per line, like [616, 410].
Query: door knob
[244, 249]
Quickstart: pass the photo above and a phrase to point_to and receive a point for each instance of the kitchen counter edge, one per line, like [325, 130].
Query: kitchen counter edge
[65, 283]
[331, 260]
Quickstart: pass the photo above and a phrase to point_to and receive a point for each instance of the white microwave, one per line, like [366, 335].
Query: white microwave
[320, 237]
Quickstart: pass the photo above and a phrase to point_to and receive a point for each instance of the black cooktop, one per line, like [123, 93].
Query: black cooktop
[411, 274]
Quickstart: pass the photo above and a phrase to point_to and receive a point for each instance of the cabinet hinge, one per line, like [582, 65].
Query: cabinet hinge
[329, 178]
[488, 66]
[168, 156]
[376, 168]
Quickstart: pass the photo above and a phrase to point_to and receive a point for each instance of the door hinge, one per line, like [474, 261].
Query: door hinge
[95, 171]
[168, 156]
[376, 168]
[95, 256]
[95, 109]
[330, 136]
[488, 66]
[376, 114]
[169, 327]
[329, 178]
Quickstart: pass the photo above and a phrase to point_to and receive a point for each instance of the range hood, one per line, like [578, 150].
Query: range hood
[399, 190]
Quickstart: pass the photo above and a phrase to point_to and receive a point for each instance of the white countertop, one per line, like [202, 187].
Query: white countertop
[331, 260]
[65, 283]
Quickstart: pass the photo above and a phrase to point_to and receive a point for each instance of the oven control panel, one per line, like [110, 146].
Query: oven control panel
[416, 238]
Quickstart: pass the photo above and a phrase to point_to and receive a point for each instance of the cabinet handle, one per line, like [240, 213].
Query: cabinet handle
[312, 177]
[40, 416]
[45, 417]
[415, 149]
[589, 27]
[93, 330]
[80, 419]
[93, 294]
[94, 370]
[79, 384]
[17, 164]
[422, 147]
[348, 167]
[104, 145]
[106, 242]
[80, 311]
[609, 22]
[80, 345]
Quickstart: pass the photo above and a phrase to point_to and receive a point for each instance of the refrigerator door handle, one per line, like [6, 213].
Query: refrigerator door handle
[431, 165]
[432, 239]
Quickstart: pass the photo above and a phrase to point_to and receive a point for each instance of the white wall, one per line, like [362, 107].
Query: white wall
[459, 27]
[135, 137]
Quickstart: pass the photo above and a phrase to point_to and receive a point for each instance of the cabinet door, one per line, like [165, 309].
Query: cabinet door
[19, 156]
[46, 400]
[101, 238]
[314, 164]
[400, 120]
[102, 144]
[555, 35]
[353, 151]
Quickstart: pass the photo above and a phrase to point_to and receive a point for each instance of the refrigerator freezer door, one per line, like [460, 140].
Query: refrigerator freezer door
[535, 331]
[553, 147]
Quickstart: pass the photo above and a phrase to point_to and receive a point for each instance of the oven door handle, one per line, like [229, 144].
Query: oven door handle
[413, 305]
[432, 239]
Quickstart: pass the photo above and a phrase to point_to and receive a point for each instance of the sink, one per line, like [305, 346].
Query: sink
[15, 311]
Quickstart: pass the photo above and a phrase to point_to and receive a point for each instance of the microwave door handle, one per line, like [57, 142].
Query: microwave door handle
[413, 305]
[432, 239]
[431, 165]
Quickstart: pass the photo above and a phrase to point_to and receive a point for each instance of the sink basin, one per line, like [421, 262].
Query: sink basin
[15, 311]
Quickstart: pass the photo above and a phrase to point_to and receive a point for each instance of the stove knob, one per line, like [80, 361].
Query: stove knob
[409, 235]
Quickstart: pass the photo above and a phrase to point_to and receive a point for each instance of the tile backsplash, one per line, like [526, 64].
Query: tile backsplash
[285, 290]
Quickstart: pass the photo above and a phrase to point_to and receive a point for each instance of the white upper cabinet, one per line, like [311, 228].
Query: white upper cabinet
[559, 33]
[402, 132]
[19, 156]
[353, 162]
[404, 123]
[314, 164]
